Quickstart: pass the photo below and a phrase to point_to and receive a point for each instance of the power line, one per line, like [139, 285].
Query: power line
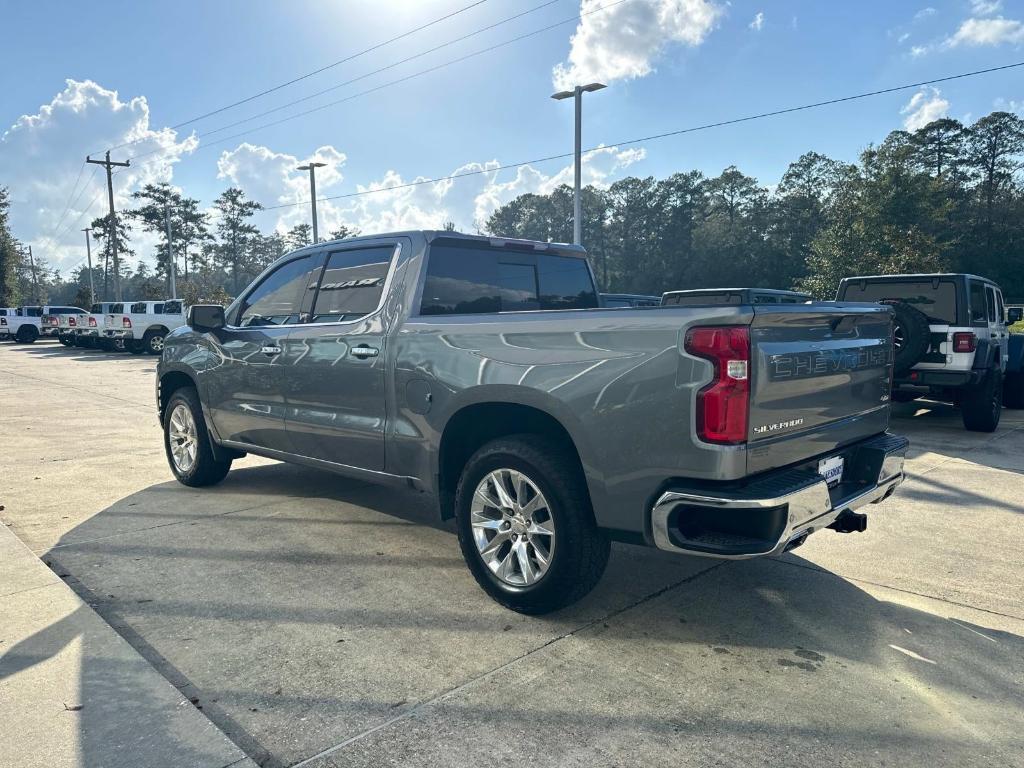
[400, 80]
[85, 210]
[667, 134]
[307, 75]
[398, 63]
[67, 203]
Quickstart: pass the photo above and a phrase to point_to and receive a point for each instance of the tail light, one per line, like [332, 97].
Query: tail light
[723, 406]
[126, 322]
[3, 321]
[92, 322]
[71, 322]
[964, 341]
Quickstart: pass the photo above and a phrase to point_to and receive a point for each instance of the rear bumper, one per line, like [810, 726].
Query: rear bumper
[49, 331]
[938, 379]
[779, 509]
[118, 333]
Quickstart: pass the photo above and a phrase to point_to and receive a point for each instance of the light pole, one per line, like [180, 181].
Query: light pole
[577, 204]
[311, 167]
[88, 257]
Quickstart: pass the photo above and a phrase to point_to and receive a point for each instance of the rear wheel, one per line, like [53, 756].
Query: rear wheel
[27, 334]
[526, 526]
[187, 442]
[136, 347]
[66, 339]
[153, 342]
[982, 406]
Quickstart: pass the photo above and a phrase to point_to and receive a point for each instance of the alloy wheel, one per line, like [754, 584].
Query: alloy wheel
[181, 432]
[513, 528]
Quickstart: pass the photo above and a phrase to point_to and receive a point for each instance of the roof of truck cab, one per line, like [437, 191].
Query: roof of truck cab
[433, 235]
[705, 291]
[922, 276]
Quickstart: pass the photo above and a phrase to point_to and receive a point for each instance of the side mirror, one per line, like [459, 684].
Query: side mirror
[205, 317]
[1014, 315]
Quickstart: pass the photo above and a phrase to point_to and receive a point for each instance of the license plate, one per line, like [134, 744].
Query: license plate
[831, 469]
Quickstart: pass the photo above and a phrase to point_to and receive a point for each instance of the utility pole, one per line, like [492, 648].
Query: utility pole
[311, 167]
[88, 257]
[577, 204]
[112, 235]
[170, 250]
[35, 278]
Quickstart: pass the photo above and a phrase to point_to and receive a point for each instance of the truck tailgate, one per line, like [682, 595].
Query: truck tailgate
[820, 380]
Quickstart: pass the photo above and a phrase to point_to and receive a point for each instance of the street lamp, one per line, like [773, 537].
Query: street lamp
[311, 167]
[577, 206]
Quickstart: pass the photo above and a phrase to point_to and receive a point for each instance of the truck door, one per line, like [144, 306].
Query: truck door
[336, 381]
[246, 392]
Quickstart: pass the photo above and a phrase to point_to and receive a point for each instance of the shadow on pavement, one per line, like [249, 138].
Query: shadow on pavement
[300, 610]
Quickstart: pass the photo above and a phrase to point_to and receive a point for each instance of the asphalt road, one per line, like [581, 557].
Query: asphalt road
[325, 622]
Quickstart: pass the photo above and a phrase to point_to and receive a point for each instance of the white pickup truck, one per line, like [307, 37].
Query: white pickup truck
[142, 325]
[90, 328]
[26, 325]
[62, 323]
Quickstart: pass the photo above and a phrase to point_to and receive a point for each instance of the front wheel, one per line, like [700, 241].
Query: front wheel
[153, 342]
[526, 526]
[982, 406]
[187, 442]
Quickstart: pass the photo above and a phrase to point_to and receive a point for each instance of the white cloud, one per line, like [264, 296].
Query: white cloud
[758, 23]
[625, 41]
[986, 7]
[925, 106]
[82, 118]
[1009, 105]
[975, 32]
[918, 50]
[469, 201]
[924, 13]
[903, 38]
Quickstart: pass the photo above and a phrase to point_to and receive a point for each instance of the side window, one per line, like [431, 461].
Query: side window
[460, 281]
[1001, 316]
[278, 298]
[172, 308]
[138, 308]
[352, 284]
[116, 309]
[979, 310]
[991, 303]
[565, 283]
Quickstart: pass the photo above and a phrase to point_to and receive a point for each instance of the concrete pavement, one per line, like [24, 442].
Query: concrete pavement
[324, 622]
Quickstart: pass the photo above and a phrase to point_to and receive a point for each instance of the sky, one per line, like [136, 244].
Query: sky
[469, 91]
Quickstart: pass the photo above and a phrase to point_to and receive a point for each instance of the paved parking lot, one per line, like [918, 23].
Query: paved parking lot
[324, 622]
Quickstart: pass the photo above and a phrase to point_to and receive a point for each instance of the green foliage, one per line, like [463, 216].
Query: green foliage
[10, 257]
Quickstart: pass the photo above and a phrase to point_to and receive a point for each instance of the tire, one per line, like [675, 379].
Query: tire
[911, 336]
[1013, 390]
[184, 424]
[153, 342]
[66, 340]
[982, 406]
[577, 551]
[136, 347]
[27, 334]
[104, 344]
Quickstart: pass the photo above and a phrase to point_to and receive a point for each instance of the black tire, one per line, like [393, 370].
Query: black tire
[1013, 390]
[911, 336]
[580, 551]
[66, 339]
[27, 334]
[135, 347]
[206, 470]
[982, 405]
[153, 342]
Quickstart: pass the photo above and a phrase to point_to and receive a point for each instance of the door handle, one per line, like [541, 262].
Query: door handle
[363, 351]
[270, 350]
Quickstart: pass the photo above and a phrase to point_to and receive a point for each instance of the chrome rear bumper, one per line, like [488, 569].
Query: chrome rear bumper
[778, 510]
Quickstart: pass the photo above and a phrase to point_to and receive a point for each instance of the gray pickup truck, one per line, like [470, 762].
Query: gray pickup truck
[482, 371]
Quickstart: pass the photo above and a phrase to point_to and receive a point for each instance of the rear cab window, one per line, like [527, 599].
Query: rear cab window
[471, 278]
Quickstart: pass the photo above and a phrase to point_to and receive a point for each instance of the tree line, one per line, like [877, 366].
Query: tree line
[946, 197]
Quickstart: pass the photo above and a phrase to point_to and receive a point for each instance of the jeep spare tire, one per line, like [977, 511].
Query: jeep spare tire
[911, 335]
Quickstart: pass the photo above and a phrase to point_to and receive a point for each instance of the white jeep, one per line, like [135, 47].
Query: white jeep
[950, 340]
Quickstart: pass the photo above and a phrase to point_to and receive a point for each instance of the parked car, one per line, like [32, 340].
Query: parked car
[951, 341]
[482, 371]
[27, 324]
[704, 296]
[61, 322]
[142, 325]
[629, 300]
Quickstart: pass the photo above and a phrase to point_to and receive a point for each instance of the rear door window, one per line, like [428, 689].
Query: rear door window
[352, 284]
[172, 308]
[979, 305]
[138, 308]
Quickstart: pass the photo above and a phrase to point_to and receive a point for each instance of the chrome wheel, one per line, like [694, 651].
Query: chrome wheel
[181, 434]
[156, 343]
[512, 527]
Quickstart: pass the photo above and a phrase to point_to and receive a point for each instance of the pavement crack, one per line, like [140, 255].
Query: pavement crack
[449, 692]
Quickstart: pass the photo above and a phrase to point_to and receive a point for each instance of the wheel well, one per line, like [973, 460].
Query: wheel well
[157, 328]
[475, 425]
[171, 383]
